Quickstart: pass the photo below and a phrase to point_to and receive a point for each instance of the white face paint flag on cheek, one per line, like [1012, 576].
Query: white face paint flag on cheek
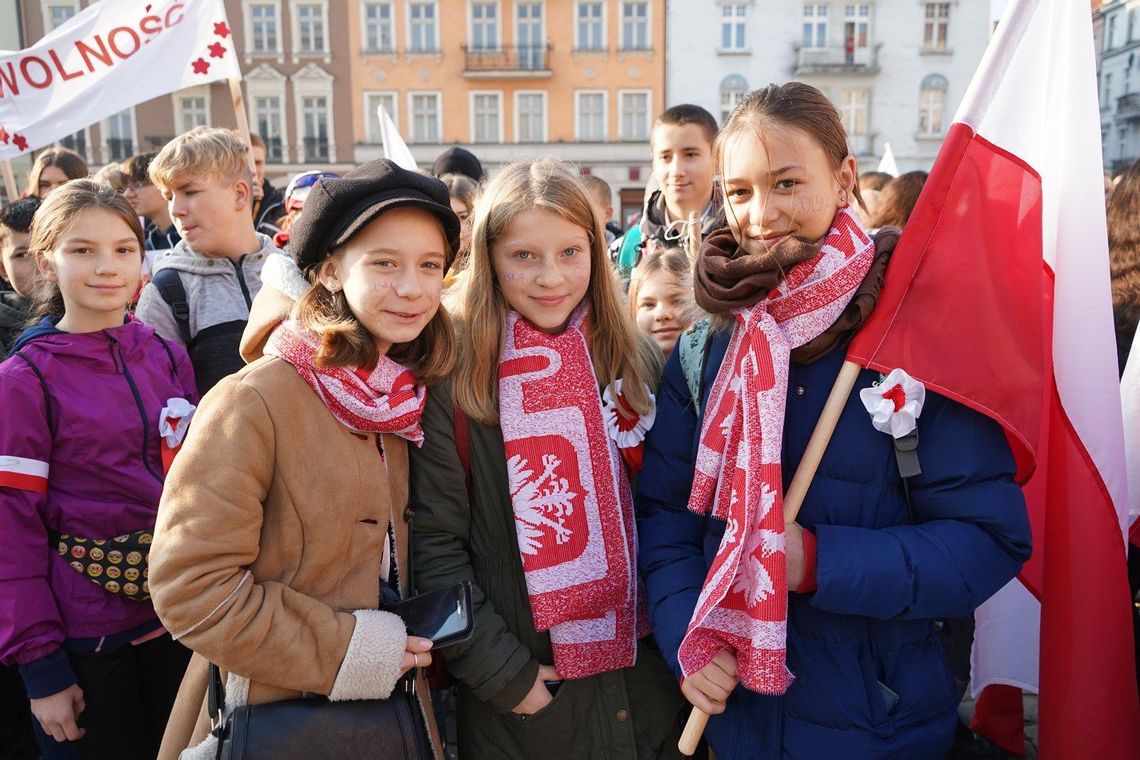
[105, 59]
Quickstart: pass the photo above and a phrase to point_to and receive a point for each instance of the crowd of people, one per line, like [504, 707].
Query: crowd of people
[240, 424]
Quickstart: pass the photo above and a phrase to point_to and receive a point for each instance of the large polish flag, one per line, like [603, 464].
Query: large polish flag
[998, 297]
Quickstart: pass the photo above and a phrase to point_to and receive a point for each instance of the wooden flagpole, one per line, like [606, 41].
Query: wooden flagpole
[242, 119]
[10, 182]
[793, 500]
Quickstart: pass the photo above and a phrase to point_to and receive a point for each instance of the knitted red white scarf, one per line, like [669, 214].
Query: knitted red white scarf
[571, 498]
[385, 400]
[743, 606]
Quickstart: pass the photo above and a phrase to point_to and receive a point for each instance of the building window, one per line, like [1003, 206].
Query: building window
[422, 27]
[486, 117]
[310, 28]
[315, 127]
[485, 26]
[192, 112]
[734, 21]
[267, 124]
[931, 104]
[733, 89]
[118, 131]
[1107, 91]
[857, 27]
[1122, 136]
[634, 115]
[378, 27]
[373, 102]
[591, 26]
[76, 142]
[1109, 32]
[425, 117]
[59, 13]
[853, 112]
[529, 35]
[591, 121]
[263, 28]
[935, 30]
[815, 25]
[634, 26]
[530, 111]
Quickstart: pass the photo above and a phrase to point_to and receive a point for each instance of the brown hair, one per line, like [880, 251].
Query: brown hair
[137, 167]
[55, 217]
[795, 105]
[203, 152]
[687, 113]
[1124, 257]
[345, 342]
[462, 187]
[65, 159]
[896, 200]
[255, 141]
[874, 180]
[617, 349]
[672, 261]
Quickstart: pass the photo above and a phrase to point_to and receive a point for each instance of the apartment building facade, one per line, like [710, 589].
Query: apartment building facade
[1118, 49]
[506, 79]
[895, 69]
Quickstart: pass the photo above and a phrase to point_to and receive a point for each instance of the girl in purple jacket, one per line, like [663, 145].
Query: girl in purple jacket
[93, 409]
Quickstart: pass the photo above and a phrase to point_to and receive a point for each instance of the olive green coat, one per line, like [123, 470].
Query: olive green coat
[633, 713]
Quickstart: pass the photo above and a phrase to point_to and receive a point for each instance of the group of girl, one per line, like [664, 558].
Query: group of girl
[532, 448]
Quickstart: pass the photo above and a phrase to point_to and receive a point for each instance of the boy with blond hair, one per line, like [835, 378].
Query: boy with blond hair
[200, 293]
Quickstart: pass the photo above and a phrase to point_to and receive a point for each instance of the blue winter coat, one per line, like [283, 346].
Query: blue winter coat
[883, 580]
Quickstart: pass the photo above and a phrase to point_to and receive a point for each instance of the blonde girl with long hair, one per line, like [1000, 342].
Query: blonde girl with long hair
[523, 487]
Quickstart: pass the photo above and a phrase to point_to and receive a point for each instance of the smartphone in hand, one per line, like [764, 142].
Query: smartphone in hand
[443, 615]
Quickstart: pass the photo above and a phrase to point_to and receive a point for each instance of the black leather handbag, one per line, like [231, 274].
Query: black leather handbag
[314, 727]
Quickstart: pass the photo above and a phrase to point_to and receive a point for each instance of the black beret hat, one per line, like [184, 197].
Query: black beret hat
[458, 161]
[337, 209]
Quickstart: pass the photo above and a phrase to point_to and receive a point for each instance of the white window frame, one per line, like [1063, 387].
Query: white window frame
[734, 22]
[545, 116]
[105, 136]
[474, 121]
[816, 23]
[927, 110]
[411, 138]
[605, 115]
[186, 93]
[267, 82]
[471, 25]
[848, 110]
[47, 5]
[936, 22]
[372, 134]
[723, 90]
[295, 28]
[364, 47]
[434, 49]
[541, 32]
[313, 81]
[602, 46]
[648, 114]
[852, 15]
[247, 19]
[88, 151]
[648, 25]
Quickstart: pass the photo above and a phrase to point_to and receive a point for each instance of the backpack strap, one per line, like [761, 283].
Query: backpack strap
[169, 355]
[170, 287]
[693, 346]
[43, 386]
[463, 444]
[906, 455]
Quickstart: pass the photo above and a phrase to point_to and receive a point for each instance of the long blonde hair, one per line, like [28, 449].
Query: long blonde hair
[617, 349]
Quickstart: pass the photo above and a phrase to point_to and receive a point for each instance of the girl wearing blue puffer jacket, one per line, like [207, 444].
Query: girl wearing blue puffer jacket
[815, 639]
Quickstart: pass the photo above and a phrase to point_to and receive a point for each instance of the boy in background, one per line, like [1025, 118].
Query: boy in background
[147, 201]
[18, 270]
[199, 294]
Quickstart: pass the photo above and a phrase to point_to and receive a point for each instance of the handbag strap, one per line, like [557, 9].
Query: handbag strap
[215, 700]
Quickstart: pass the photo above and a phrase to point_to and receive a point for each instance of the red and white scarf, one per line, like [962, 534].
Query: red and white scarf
[743, 606]
[571, 498]
[385, 400]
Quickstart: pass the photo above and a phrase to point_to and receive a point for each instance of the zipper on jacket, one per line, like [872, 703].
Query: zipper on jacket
[241, 280]
[117, 353]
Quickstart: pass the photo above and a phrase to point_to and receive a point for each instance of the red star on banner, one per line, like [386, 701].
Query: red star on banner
[3, 135]
[221, 29]
[217, 50]
[201, 66]
[20, 142]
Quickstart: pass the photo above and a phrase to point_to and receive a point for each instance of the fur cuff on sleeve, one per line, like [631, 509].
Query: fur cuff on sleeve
[280, 273]
[372, 663]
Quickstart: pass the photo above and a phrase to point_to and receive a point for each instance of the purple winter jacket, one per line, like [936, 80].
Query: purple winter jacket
[101, 464]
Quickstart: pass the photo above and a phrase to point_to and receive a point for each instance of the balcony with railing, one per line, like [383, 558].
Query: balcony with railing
[1128, 107]
[837, 59]
[507, 61]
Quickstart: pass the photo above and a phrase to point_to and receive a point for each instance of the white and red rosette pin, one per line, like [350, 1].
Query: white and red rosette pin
[174, 421]
[627, 432]
[895, 403]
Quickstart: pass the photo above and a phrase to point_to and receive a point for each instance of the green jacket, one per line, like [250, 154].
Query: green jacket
[14, 315]
[633, 713]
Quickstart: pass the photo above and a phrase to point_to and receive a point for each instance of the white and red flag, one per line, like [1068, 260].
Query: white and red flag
[105, 59]
[1008, 247]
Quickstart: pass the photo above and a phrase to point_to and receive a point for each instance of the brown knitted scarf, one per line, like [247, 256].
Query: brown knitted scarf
[727, 277]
